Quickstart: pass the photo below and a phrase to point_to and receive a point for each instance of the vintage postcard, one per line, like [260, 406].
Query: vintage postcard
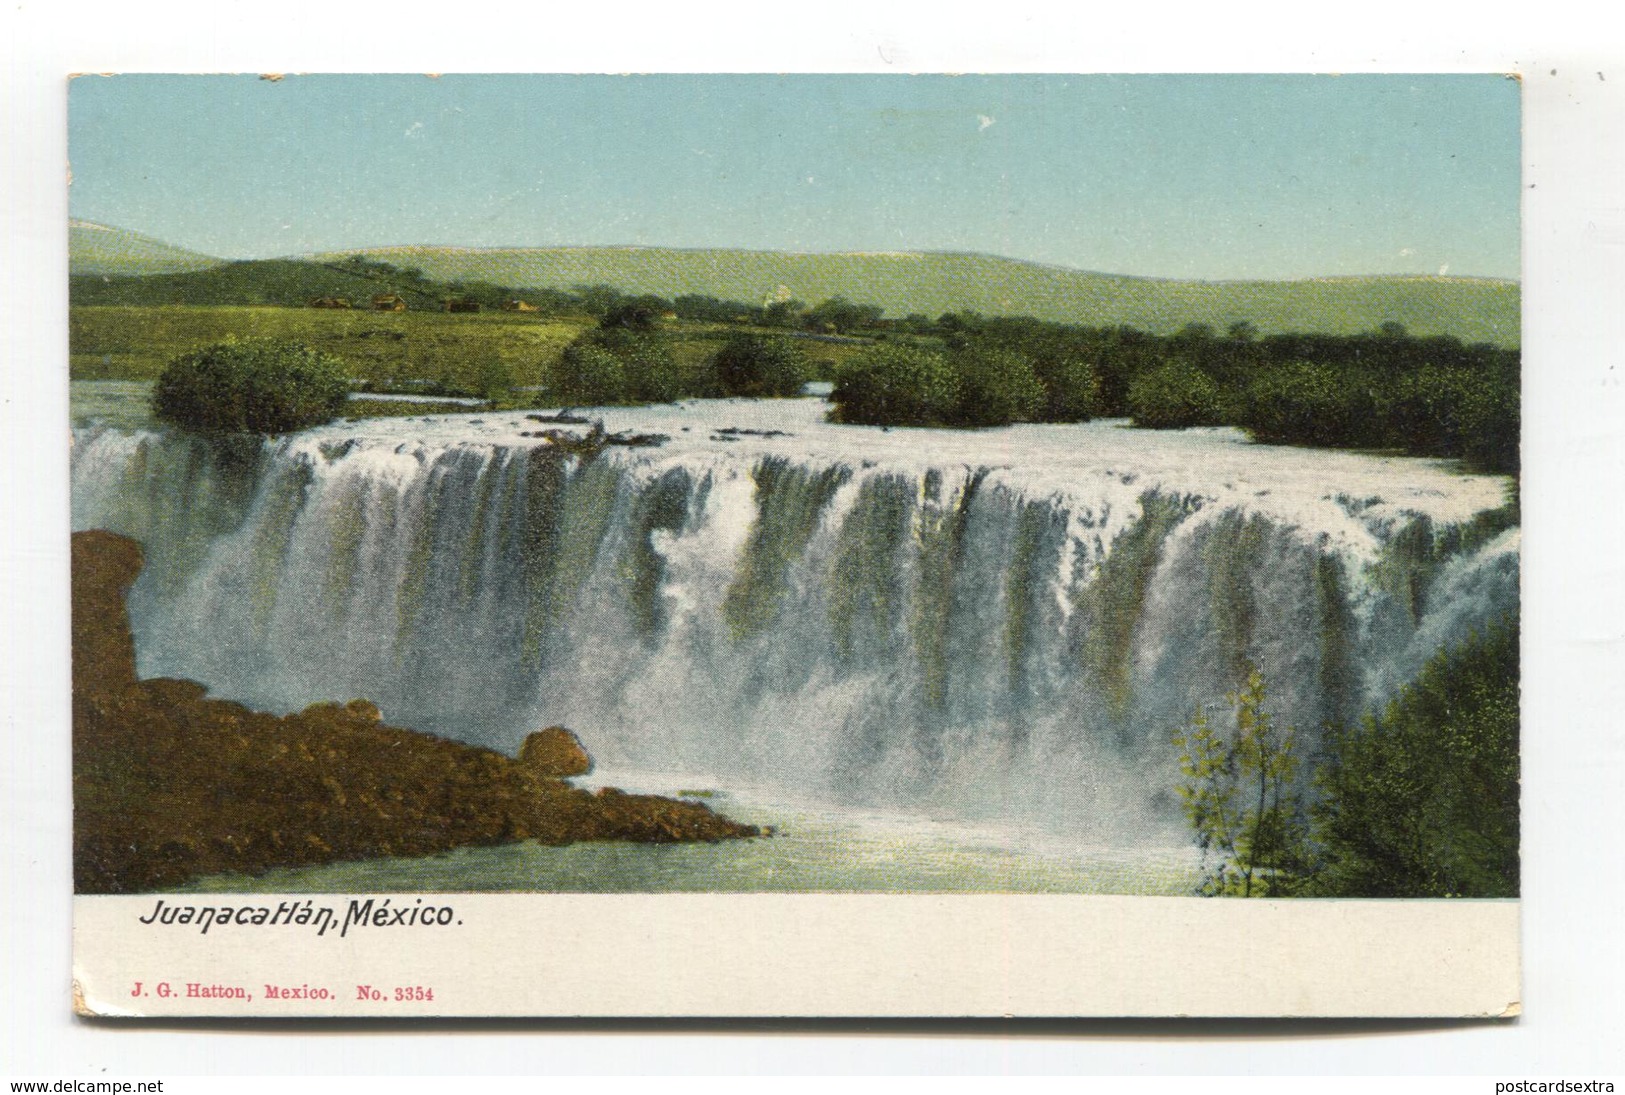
[795, 545]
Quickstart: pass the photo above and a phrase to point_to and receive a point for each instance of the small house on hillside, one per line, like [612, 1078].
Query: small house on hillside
[331, 302]
[519, 306]
[388, 302]
[462, 304]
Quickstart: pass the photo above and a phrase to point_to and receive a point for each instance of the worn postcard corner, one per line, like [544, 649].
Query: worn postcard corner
[833, 545]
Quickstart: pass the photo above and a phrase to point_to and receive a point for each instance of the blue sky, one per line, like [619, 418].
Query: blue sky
[1198, 176]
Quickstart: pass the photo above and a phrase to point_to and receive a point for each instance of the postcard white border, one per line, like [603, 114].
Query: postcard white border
[989, 955]
[1573, 231]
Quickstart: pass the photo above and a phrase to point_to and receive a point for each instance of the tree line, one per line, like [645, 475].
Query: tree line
[835, 316]
[624, 362]
[1383, 390]
[1386, 389]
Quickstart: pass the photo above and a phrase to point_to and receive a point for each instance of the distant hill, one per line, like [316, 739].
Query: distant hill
[255, 281]
[97, 249]
[1473, 309]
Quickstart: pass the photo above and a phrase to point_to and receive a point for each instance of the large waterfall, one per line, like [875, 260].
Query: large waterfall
[977, 624]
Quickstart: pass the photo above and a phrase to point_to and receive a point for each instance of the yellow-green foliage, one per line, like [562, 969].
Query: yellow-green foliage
[1419, 799]
[1239, 795]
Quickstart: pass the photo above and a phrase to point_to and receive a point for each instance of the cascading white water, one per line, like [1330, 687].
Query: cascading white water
[999, 623]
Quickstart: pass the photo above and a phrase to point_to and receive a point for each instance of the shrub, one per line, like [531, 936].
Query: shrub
[651, 371]
[1172, 396]
[637, 314]
[840, 314]
[750, 365]
[1310, 403]
[1422, 800]
[1422, 412]
[1071, 388]
[587, 374]
[893, 385]
[1491, 422]
[1240, 796]
[251, 386]
[616, 366]
[996, 388]
[493, 379]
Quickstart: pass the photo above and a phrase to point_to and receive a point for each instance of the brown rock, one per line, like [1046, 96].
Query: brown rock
[554, 753]
[171, 785]
[172, 691]
[104, 566]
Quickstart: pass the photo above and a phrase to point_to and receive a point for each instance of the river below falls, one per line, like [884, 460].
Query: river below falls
[814, 848]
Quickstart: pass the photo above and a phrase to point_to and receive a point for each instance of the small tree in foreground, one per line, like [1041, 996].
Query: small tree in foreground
[251, 386]
[1240, 796]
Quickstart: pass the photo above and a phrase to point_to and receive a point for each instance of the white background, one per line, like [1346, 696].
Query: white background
[1574, 614]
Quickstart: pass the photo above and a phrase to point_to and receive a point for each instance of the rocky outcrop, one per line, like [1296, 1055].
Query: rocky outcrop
[170, 784]
[554, 753]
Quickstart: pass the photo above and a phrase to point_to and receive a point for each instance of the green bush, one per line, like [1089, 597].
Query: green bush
[493, 380]
[1071, 387]
[587, 374]
[251, 386]
[616, 366]
[1422, 412]
[894, 385]
[1491, 424]
[996, 388]
[1313, 403]
[1422, 800]
[1172, 396]
[652, 375]
[1240, 796]
[637, 314]
[750, 365]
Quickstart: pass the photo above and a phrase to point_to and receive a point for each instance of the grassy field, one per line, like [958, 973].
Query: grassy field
[392, 350]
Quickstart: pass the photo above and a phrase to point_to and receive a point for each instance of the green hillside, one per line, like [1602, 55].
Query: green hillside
[256, 281]
[1475, 310]
[116, 267]
[99, 250]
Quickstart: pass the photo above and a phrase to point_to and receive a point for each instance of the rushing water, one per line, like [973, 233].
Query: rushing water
[990, 628]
